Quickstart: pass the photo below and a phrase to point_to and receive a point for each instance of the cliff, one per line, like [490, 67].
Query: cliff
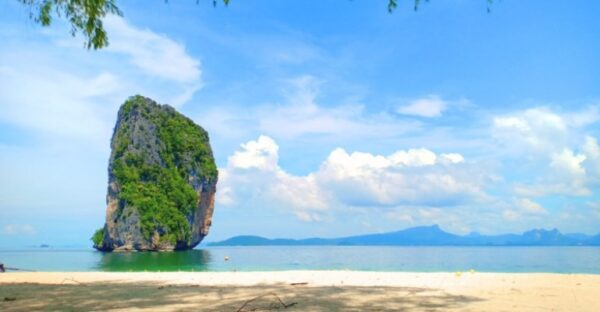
[161, 181]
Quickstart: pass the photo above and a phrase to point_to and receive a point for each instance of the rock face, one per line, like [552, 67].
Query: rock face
[162, 181]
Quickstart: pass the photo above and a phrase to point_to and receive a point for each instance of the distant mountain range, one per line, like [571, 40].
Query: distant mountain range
[426, 236]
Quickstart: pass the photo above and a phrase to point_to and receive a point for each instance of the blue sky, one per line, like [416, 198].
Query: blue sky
[326, 118]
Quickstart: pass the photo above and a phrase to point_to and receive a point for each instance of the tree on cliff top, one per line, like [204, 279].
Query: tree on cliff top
[85, 16]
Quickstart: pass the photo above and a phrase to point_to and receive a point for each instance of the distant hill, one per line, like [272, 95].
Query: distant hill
[595, 240]
[426, 236]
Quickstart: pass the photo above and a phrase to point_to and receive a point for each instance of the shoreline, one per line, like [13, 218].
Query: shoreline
[313, 277]
[307, 290]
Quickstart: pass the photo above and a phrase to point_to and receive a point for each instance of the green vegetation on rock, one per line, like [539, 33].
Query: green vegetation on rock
[98, 237]
[157, 154]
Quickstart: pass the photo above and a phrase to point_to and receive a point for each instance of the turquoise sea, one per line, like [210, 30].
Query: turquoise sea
[421, 259]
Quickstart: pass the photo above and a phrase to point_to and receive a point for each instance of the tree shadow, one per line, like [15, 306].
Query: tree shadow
[156, 296]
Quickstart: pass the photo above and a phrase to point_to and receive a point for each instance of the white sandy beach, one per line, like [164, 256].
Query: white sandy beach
[299, 291]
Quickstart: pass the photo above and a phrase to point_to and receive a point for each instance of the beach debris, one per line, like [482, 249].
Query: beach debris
[10, 298]
[3, 269]
[472, 271]
[266, 302]
[299, 284]
[226, 258]
[71, 280]
[458, 273]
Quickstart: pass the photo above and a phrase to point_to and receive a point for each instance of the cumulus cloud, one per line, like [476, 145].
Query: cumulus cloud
[568, 173]
[414, 176]
[567, 166]
[541, 135]
[253, 176]
[429, 107]
[259, 154]
[18, 229]
[535, 129]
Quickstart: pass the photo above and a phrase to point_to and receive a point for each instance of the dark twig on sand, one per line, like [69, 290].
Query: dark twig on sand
[298, 284]
[277, 301]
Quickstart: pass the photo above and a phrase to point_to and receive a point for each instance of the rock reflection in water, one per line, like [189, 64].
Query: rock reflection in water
[189, 260]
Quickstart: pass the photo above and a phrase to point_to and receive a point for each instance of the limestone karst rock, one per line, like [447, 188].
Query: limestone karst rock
[162, 181]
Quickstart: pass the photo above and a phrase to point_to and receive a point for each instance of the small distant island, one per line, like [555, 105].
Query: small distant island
[426, 236]
[162, 181]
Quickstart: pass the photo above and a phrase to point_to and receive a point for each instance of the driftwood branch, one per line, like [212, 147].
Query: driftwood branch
[70, 279]
[277, 301]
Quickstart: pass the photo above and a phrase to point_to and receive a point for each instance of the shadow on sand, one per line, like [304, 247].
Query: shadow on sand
[79, 297]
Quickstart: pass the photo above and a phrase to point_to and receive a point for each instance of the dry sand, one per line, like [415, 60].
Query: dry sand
[298, 291]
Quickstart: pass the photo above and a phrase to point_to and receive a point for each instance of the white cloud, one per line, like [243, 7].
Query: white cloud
[253, 177]
[300, 116]
[568, 164]
[591, 150]
[542, 136]
[529, 206]
[585, 117]
[415, 177]
[401, 216]
[566, 174]
[567, 168]
[57, 103]
[430, 213]
[155, 54]
[412, 157]
[535, 129]
[18, 229]
[260, 154]
[429, 106]
[595, 207]
[64, 92]
[510, 215]
[520, 210]
[454, 158]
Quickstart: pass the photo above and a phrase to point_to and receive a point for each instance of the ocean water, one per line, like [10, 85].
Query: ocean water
[367, 258]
